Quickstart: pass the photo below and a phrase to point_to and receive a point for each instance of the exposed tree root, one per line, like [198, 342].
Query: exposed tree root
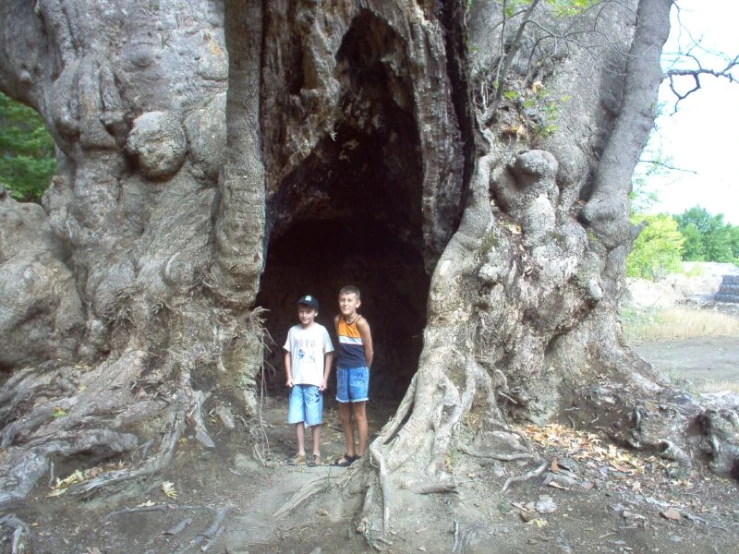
[673, 452]
[438, 488]
[175, 429]
[21, 534]
[311, 488]
[525, 477]
[498, 455]
[379, 462]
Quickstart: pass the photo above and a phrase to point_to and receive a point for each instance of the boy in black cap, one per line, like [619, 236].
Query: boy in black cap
[308, 355]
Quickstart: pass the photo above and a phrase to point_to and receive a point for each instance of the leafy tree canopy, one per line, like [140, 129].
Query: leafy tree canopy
[27, 160]
[658, 249]
[708, 238]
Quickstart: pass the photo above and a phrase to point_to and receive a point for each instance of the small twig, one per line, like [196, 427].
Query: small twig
[213, 529]
[139, 509]
[456, 536]
[437, 488]
[526, 476]
[179, 527]
[501, 457]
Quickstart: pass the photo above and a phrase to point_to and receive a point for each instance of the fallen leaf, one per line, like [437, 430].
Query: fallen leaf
[621, 468]
[168, 489]
[322, 512]
[56, 492]
[557, 485]
[539, 522]
[672, 514]
[147, 503]
[555, 465]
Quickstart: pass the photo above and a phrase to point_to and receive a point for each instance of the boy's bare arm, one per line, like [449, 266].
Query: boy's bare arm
[328, 358]
[288, 369]
[366, 334]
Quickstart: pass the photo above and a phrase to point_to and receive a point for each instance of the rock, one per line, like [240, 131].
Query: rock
[224, 413]
[545, 504]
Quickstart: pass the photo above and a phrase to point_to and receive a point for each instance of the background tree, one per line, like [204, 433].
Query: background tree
[657, 250]
[27, 160]
[708, 238]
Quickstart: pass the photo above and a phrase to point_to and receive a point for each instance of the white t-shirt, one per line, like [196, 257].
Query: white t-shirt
[307, 348]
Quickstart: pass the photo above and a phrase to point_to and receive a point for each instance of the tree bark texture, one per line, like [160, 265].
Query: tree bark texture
[194, 137]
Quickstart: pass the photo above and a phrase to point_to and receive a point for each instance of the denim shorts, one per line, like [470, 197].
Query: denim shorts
[306, 405]
[352, 385]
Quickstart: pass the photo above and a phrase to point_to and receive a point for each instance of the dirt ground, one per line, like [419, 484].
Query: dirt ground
[696, 360]
[601, 499]
[592, 498]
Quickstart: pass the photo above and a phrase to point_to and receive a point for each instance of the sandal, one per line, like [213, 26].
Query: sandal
[345, 461]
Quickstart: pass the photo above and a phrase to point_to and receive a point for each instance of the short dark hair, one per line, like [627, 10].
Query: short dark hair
[350, 289]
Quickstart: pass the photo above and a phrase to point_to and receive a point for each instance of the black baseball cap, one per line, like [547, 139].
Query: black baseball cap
[309, 300]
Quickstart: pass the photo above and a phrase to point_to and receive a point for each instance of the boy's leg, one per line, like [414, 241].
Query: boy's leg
[316, 429]
[300, 431]
[359, 391]
[360, 416]
[345, 413]
[296, 416]
[314, 415]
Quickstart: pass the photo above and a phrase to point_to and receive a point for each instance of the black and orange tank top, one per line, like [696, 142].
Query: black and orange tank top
[351, 347]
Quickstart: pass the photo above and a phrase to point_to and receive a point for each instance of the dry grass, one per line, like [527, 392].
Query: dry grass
[715, 386]
[678, 323]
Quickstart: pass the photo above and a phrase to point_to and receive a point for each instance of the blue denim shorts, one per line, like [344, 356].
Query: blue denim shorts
[305, 406]
[352, 385]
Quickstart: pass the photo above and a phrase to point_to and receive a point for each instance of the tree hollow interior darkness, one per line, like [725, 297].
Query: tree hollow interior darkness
[351, 214]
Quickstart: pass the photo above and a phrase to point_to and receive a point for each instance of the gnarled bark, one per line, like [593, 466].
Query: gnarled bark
[195, 143]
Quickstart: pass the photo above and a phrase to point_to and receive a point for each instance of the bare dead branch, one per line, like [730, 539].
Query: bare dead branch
[696, 73]
[668, 166]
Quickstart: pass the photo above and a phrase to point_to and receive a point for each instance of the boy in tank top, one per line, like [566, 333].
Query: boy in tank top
[352, 376]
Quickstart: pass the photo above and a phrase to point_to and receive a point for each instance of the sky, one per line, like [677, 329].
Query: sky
[702, 138]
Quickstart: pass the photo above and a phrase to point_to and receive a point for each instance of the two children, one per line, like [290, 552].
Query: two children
[308, 357]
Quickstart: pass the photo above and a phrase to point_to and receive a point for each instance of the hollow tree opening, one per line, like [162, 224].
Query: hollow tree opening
[351, 213]
[319, 257]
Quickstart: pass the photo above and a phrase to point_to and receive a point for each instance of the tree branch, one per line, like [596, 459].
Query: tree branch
[696, 74]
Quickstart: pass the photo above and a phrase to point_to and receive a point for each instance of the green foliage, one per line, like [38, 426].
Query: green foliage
[26, 151]
[550, 110]
[733, 231]
[571, 8]
[658, 249]
[560, 8]
[694, 250]
[708, 238]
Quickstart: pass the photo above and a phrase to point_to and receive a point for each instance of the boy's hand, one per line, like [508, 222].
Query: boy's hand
[289, 382]
[322, 386]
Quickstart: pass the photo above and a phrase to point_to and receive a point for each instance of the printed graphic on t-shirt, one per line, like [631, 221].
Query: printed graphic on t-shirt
[306, 350]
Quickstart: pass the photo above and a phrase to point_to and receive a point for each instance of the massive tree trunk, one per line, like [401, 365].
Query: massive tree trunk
[469, 169]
